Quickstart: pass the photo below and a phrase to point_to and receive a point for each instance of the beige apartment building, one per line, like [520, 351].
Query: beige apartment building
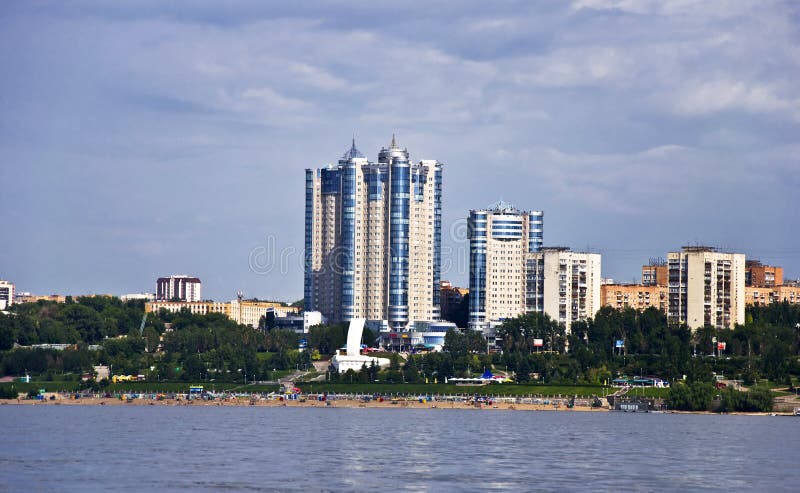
[636, 296]
[767, 295]
[706, 287]
[563, 284]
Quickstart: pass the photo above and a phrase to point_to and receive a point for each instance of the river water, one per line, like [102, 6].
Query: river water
[164, 448]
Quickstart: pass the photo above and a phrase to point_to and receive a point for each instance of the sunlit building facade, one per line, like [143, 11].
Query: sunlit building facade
[706, 287]
[500, 240]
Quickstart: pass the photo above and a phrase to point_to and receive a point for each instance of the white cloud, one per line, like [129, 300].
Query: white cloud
[713, 96]
[574, 67]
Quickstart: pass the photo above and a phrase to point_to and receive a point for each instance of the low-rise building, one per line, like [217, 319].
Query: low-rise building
[26, 297]
[246, 312]
[636, 296]
[298, 323]
[768, 295]
[138, 296]
[249, 312]
[194, 307]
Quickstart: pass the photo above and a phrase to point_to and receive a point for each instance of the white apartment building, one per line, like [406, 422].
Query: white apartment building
[138, 296]
[6, 294]
[706, 287]
[563, 284]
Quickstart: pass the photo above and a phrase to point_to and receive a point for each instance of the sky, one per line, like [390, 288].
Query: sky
[140, 139]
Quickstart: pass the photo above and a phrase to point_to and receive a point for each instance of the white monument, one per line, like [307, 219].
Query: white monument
[353, 360]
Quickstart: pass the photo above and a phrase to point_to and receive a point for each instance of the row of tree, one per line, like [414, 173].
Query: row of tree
[104, 330]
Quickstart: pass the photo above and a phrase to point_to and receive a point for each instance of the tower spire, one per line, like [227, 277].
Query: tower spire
[394, 145]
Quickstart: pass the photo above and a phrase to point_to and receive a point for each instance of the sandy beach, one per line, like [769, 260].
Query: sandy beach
[334, 403]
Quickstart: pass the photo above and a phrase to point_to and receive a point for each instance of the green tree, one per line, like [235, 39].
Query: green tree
[690, 397]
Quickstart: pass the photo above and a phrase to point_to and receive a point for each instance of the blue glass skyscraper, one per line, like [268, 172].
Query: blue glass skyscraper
[373, 239]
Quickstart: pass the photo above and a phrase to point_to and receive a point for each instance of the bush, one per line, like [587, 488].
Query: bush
[695, 396]
[8, 392]
[754, 400]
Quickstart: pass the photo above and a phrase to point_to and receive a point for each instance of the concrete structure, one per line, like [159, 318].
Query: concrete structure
[776, 294]
[706, 287]
[450, 297]
[636, 296]
[6, 294]
[758, 275]
[501, 240]
[563, 284]
[372, 238]
[352, 359]
[182, 288]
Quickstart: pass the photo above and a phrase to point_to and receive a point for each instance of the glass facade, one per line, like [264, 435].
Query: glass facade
[437, 238]
[346, 254]
[419, 179]
[376, 178]
[507, 227]
[400, 210]
[476, 230]
[535, 231]
[331, 180]
[308, 253]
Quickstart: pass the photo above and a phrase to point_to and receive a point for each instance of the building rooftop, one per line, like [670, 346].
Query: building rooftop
[698, 248]
[352, 153]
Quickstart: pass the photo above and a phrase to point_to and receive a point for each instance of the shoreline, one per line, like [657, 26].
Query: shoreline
[337, 403]
[345, 404]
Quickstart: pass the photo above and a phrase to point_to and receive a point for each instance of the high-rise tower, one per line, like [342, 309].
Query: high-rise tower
[372, 238]
[500, 240]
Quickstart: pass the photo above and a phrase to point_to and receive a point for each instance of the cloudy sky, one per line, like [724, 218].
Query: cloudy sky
[140, 139]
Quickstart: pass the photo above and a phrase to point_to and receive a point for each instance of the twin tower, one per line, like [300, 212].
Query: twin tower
[373, 234]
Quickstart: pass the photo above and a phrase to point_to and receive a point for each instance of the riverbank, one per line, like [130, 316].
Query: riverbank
[330, 403]
[344, 403]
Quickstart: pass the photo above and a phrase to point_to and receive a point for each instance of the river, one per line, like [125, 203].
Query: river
[166, 448]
